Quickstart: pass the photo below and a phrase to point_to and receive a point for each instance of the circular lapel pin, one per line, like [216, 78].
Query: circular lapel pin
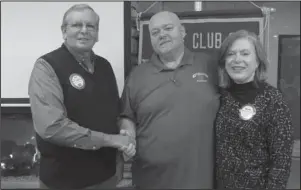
[77, 81]
[247, 112]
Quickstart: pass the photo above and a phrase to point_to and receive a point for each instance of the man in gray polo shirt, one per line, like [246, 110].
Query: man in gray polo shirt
[169, 105]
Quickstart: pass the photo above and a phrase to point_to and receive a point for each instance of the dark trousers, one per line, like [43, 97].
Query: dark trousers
[108, 184]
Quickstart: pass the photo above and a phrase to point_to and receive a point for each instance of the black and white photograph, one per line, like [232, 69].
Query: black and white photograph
[150, 95]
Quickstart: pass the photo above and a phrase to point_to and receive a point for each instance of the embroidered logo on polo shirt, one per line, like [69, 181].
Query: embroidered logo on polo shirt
[77, 81]
[200, 77]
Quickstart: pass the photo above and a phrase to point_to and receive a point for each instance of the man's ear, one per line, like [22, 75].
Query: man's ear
[183, 31]
[63, 29]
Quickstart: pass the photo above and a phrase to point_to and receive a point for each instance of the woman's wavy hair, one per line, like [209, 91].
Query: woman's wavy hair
[260, 74]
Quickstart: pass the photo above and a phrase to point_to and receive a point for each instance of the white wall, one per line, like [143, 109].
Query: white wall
[31, 29]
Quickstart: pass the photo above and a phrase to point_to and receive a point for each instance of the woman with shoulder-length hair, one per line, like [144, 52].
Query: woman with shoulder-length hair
[253, 126]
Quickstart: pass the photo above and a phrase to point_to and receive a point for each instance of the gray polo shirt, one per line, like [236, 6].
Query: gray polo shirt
[174, 111]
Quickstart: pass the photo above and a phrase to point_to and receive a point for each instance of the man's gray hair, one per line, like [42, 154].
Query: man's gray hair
[78, 7]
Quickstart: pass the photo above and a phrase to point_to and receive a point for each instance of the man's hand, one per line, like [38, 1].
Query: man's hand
[130, 151]
[126, 132]
[122, 141]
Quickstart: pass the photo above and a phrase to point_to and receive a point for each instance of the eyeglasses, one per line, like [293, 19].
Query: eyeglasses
[79, 26]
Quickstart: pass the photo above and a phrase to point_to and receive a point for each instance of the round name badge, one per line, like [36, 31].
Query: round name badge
[247, 112]
[77, 81]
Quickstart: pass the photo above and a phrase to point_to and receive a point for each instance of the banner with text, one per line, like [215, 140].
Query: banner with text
[203, 35]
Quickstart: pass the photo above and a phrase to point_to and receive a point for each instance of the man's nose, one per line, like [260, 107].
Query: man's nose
[83, 28]
[162, 35]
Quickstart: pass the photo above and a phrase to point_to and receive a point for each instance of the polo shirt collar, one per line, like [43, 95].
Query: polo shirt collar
[187, 59]
[77, 57]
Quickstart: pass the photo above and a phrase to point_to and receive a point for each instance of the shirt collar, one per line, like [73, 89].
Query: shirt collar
[80, 59]
[159, 66]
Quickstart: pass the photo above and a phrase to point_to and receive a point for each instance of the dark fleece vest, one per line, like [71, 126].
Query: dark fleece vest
[96, 106]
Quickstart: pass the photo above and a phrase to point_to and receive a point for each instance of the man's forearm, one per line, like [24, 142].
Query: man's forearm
[128, 125]
[70, 134]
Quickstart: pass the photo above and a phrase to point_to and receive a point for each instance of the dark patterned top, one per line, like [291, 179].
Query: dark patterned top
[254, 153]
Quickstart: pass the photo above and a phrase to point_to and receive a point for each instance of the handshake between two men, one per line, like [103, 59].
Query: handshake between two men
[129, 151]
[126, 143]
